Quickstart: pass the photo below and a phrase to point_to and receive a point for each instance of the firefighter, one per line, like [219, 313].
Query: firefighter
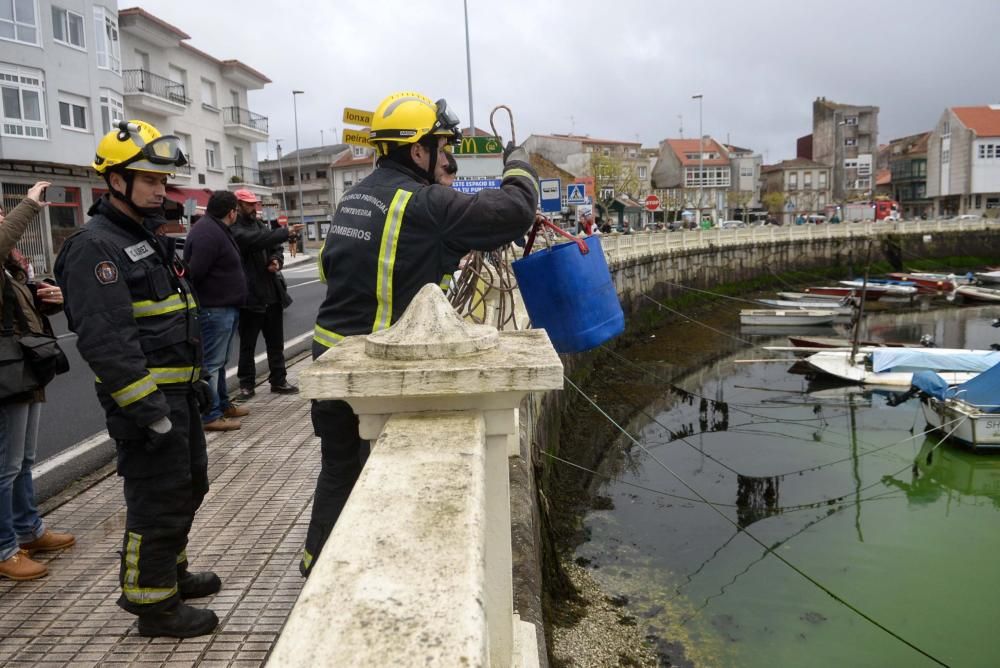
[394, 232]
[134, 314]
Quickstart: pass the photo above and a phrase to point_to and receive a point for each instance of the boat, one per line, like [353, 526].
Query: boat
[872, 293]
[889, 287]
[833, 342]
[808, 296]
[977, 293]
[968, 413]
[928, 283]
[988, 277]
[837, 308]
[896, 366]
[787, 317]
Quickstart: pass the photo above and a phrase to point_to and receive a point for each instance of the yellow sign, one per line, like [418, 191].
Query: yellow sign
[357, 117]
[357, 138]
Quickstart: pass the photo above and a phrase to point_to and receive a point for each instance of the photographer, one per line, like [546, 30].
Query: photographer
[22, 531]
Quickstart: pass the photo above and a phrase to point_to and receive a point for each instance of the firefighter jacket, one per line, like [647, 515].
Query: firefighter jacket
[134, 314]
[393, 233]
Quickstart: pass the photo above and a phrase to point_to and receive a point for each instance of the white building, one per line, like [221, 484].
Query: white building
[60, 90]
[963, 161]
[201, 99]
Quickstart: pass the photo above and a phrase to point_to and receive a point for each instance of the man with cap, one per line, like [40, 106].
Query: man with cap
[263, 257]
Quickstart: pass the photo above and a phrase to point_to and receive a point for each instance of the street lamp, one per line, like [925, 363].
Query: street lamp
[281, 177]
[298, 159]
[701, 157]
[468, 69]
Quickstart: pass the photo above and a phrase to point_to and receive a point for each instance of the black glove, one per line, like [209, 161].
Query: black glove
[159, 434]
[203, 395]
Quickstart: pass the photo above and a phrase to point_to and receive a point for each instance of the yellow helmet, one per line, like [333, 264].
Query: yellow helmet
[406, 117]
[138, 146]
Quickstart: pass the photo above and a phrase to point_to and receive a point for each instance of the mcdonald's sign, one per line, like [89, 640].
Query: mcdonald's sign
[479, 146]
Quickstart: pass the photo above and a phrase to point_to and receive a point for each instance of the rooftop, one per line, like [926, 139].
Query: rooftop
[984, 120]
[797, 163]
[682, 147]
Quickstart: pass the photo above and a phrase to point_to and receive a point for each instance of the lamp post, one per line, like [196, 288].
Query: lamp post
[281, 177]
[298, 159]
[701, 157]
[468, 68]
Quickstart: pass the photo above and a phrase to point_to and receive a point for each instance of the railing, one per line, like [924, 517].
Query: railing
[143, 81]
[238, 116]
[621, 247]
[241, 174]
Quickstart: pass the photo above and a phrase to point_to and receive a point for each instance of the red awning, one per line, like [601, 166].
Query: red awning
[199, 195]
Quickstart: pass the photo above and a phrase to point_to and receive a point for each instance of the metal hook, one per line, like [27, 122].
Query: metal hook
[510, 115]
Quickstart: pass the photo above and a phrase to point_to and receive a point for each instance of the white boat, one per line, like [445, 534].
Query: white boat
[989, 277]
[887, 288]
[809, 296]
[788, 317]
[978, 293]
[896, 366]
[969, 413]
[837, 308]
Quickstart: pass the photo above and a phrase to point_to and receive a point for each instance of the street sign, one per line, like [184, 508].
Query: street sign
[478, 146]
[269, 213]
[357, 138]
[652, 202]
[190, 206]
[576, 193]
[472, 186]
[282, 220]
[357, 117]
[551, 195]
[607, 193]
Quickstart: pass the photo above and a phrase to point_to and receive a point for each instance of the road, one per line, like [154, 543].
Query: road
[72, 413]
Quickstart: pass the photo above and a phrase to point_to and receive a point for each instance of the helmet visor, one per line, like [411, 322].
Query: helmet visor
[159, 155]
[447, 122]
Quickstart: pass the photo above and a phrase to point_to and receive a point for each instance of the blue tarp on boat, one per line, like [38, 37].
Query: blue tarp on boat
[935, 359]
[983, 391]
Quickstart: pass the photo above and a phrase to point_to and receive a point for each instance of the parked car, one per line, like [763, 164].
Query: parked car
[816, 219]
[731, 224]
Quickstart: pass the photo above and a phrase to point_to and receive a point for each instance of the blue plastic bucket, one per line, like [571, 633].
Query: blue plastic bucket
[571, 295]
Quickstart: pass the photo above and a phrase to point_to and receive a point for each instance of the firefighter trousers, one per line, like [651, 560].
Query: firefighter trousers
[344, 453]
[164, 486]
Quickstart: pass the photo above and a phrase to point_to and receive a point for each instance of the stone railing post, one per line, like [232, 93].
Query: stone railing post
[418, 568]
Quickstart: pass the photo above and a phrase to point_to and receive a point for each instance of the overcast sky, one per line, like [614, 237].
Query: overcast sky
[620, 69]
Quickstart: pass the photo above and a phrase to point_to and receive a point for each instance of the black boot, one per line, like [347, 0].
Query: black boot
[197, 585]
[182, 621]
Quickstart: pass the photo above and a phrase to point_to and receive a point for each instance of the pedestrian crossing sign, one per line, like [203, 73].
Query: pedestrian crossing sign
[576, 194]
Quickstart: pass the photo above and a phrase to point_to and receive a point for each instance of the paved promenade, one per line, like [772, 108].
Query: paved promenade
[250, 530]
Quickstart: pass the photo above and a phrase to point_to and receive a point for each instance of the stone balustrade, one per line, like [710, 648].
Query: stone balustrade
[417, 570]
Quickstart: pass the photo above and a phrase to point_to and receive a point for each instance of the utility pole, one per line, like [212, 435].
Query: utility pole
[298, 162]
[468, 68]
[281, 178]
[701, 158]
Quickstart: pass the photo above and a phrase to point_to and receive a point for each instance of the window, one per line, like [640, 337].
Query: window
[112, 110]
[946, 127]
[807, 180]
[212, 155]
[359, 151]
[989, 151]
[945, 155]
[106, 33]
[234, 97]
[21, 94]
[793, 180]
[73, 113]
[185, 142]
[746, 170]
[320, 174]
[850, 120]
[237, 156]
[208, 96]
[850, 164]
[67, 27]
[821, 202]
[711, 177]
[17, 21]
[822, 180]
[979, 201]
[850, 141]
[641, 172]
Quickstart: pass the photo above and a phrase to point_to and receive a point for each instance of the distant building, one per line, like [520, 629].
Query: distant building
[908, 166]
[963, 161]
[804, 147]
[718, 179]
[61, 76]
[317, 188]
[804, 187]
[845, 139]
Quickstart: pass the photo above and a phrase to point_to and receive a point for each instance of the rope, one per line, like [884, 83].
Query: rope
[767, 549]
[717, 331]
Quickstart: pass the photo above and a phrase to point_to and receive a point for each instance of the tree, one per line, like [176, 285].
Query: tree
[611, 176]
[739, 199]
[774, 202]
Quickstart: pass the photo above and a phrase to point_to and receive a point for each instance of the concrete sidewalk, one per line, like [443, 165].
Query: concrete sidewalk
[250, 530]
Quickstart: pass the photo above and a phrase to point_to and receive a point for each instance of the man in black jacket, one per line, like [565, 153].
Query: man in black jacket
[393, 233]
[263, 257]
[216, 270]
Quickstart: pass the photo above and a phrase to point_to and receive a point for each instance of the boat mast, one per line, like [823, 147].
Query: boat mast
[861, 304]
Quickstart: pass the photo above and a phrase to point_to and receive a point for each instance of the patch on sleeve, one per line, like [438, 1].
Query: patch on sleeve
[106, 272]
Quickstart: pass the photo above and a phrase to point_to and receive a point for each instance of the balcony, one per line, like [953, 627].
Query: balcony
[245, 175]
[145, 91]
[244, 124]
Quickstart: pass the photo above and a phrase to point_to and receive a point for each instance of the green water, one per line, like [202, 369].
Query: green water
[841, 485]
